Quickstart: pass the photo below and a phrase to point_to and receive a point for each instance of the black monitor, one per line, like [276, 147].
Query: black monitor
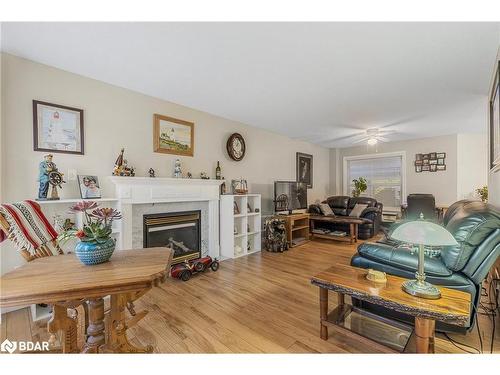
[289, 196]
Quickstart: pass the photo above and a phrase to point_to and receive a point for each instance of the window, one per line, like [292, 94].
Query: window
[384, 174]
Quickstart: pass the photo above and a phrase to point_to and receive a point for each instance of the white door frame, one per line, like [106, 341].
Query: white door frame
[376, 156]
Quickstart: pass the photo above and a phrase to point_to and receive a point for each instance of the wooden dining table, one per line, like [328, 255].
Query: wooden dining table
[64, 282]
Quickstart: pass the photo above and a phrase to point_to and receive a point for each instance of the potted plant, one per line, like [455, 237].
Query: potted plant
[95, 244]
[483, 193]
[360, 186]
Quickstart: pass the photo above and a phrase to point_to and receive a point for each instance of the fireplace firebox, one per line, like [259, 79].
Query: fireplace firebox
[177, 230]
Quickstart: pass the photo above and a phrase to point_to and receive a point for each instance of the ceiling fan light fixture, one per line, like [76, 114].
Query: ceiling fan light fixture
[372, 141]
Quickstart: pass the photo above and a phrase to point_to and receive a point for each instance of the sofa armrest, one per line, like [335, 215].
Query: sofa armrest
[369, 210]
[314, 209]
[402, 259]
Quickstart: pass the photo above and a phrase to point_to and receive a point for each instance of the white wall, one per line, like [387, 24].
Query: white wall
[493, 177]
[472, 164]
[442, 184]
[115, 118]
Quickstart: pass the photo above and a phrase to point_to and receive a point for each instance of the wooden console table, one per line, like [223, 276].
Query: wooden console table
[63, 280]
[453, 307]
[353, 223]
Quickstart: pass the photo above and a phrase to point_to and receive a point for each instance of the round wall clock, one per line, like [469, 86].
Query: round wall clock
[236, 147]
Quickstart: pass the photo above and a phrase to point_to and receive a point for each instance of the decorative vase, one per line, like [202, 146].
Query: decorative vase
[93, 252]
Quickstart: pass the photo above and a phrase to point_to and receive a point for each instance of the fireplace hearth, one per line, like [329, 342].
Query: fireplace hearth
[177, 230]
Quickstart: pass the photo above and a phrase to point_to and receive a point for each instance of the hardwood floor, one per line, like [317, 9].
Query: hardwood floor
[263, 303]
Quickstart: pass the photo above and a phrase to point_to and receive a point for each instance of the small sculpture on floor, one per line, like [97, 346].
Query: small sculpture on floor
[275, 235]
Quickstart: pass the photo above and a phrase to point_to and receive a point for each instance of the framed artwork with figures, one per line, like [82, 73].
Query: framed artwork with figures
[57, 128]
[304, 167]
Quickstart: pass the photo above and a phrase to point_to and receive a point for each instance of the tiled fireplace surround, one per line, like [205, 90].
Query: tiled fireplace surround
[144, 195]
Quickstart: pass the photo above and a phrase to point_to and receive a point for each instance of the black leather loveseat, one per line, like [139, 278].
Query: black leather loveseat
[342, 206]
[475, 226]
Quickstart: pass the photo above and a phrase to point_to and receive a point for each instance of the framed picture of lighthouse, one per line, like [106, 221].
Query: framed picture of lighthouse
[57, 128]
[173, 136]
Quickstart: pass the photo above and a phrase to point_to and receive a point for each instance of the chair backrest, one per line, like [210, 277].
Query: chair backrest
[421, 203]
[339, 204]
[476, 227]
[29, 230]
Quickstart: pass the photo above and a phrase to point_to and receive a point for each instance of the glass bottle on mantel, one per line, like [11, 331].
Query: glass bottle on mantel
[217, 171]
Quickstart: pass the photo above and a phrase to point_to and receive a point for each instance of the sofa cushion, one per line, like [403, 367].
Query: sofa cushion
[470, 225]
[358, 210]
[326, 209]
[402, 259]
[338, 204]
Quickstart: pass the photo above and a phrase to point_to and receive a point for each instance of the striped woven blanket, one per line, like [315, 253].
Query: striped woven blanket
[28, 226]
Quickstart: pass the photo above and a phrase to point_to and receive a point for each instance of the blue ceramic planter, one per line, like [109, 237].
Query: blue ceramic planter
[92, 252]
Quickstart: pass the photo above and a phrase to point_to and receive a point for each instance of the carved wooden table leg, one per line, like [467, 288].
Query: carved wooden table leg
[323, 310]
[95, 331]
[60, 321]
[424, 335]
[118, 342]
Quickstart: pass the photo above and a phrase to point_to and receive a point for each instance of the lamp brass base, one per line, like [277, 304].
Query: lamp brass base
[421, 289]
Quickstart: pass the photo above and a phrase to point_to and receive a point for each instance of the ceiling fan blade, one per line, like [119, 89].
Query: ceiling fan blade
[383, 139]
[364, 139]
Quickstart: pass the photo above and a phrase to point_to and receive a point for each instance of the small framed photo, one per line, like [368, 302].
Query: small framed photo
[425, 168]
[425, 156]
[89, 187]
[418, 168]
[441, 155]
[57, 128]
[433, 168]
[440, 167]
[418, 157]
[426, 161]
[440, 162]
[418, 162]
[432, 155]
[433, 161]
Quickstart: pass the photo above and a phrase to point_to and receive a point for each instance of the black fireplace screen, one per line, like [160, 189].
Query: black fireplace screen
[179, 231]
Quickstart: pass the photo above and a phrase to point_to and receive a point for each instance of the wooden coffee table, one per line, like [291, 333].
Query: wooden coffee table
[453, 307]
[353, 223]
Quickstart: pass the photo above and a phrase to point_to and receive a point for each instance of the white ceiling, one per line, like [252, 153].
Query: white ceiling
[320, 82]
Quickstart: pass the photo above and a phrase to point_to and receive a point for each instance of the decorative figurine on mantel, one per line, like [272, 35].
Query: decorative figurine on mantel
[121, 166]
[151, 172]
[189, 175]
[204, 176]
[48, 175]
[177, 169]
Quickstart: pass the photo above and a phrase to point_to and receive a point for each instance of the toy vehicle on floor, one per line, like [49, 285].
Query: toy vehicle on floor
[185, 270]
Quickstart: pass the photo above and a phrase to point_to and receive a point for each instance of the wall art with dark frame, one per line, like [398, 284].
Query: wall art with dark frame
[495, 122]
[57, 128]
[431, 162]
[304, 169]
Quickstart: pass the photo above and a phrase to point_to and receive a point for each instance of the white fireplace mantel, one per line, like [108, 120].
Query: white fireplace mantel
[151, 190]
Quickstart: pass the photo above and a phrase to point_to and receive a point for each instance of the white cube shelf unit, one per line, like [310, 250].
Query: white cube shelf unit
[246, 239]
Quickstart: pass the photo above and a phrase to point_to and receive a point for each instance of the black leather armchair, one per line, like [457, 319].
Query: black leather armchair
[420, 203]
[342, 206]
[475, 226]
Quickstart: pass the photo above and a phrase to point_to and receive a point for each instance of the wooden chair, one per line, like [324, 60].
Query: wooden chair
[64, 316]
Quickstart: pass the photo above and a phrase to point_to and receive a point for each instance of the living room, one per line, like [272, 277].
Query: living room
[284, 203]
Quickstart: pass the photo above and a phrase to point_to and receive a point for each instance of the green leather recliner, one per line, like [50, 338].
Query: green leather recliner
[475, 226]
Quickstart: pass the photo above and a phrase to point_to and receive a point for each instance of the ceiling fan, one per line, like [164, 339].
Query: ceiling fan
[374, 135]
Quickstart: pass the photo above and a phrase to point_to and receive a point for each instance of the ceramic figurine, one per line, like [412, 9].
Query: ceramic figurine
[48, 174]
[223, 187]
[44, 168]
[177, 169]
[121, 166]
[189, 175]
[203, 176]
[151, 172]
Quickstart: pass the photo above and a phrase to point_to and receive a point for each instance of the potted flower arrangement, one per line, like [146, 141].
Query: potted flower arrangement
[95, 244]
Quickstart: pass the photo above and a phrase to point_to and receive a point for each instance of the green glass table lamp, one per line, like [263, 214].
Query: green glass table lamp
[421, 232]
